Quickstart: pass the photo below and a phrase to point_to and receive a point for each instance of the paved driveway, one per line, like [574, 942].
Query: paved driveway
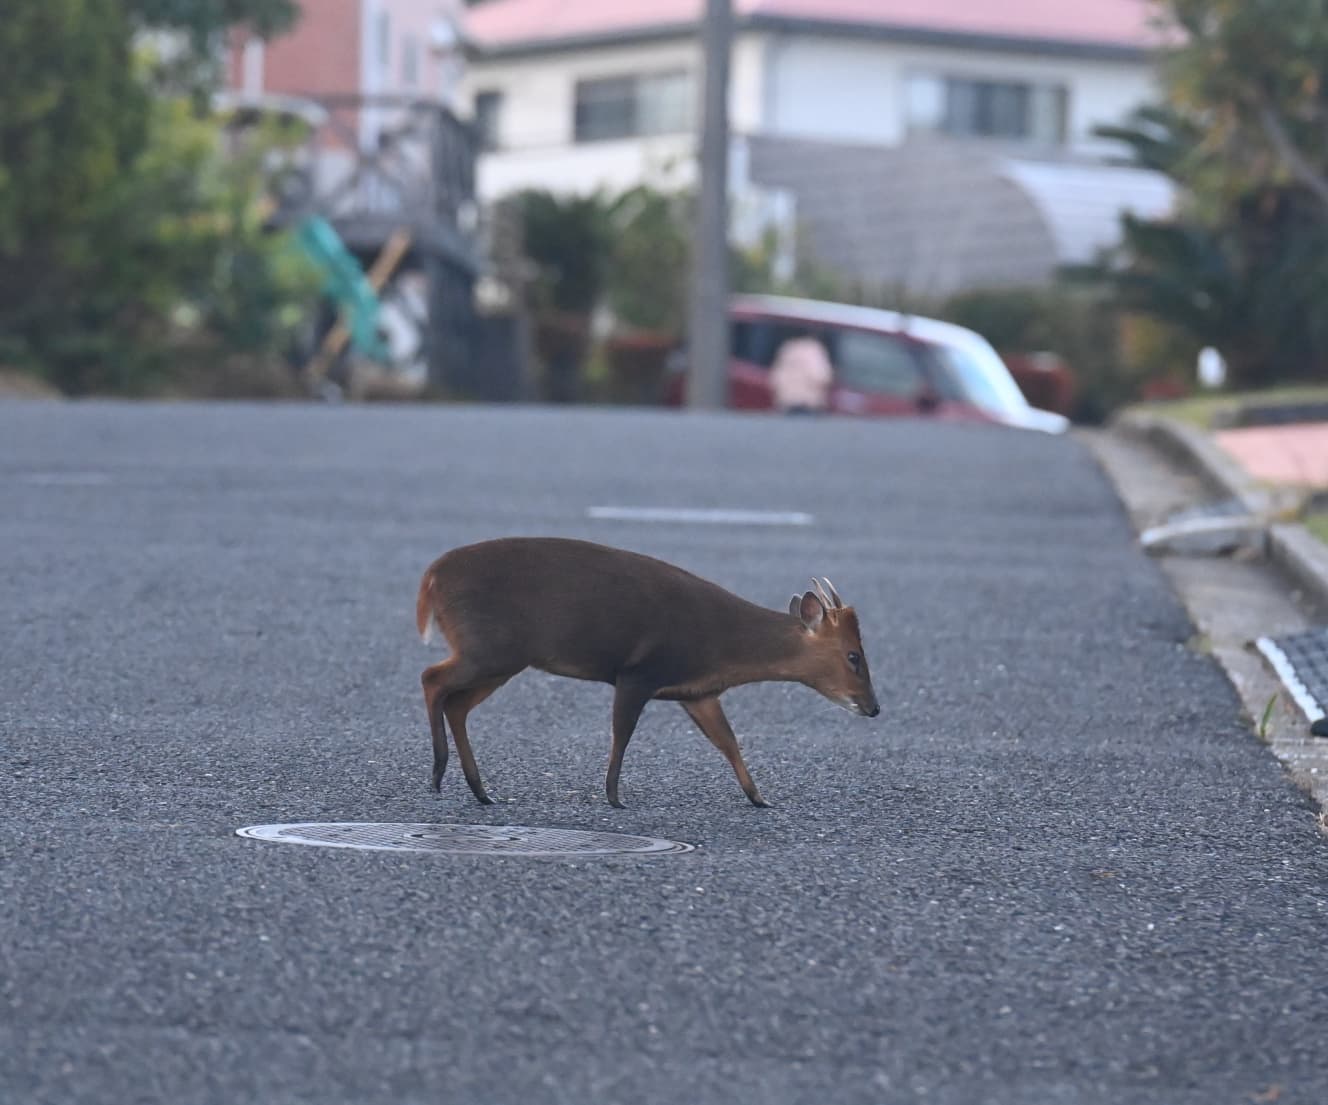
[1056, 869]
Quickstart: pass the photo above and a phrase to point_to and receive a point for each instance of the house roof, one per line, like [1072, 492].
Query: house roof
[1102, 26]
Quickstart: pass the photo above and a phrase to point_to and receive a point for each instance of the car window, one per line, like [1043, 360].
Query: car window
[876, 363]
[984, 382]
[758, 340]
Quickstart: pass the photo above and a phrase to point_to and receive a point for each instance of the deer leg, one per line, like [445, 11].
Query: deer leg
[455, 708]
[436, 681]
[439, 681]
[709, 717]
[629, 699]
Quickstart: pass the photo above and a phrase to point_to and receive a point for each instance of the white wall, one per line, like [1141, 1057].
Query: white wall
[793, 85]
[844, 90]
[666, 162]
[412, 21]
[536, 121]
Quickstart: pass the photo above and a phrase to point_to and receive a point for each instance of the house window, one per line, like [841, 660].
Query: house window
[410, 61]
[965, 107]
[629, 107]
[383, 33]
[488, 113]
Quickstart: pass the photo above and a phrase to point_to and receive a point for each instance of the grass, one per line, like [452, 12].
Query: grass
[1267, 717]
[1317, 524]
[1202, 409]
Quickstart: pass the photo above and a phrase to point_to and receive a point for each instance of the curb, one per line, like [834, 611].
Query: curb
[1302, 558]
[1289, 547]
[1194, 449]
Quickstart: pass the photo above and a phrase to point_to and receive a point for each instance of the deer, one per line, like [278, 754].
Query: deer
[650, 629]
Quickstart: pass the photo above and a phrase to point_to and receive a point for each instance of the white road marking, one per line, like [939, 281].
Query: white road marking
[701, 516]
[65, 479]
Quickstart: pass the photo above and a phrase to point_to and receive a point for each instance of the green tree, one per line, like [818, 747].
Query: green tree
[123, 221]
[649, 263]
[72, 121]
[200, 25]
[568, 240]
[1250, 74]
[71, 118]
[1243, 264]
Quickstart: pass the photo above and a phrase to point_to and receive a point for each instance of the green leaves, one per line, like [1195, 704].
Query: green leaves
[71, 117]
[1243, 266]
[567, 237]
[120, 213]
[649, 263]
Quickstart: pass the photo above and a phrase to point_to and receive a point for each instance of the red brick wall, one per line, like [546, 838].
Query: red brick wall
[320, 55]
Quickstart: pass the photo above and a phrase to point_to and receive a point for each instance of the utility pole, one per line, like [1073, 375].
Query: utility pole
[708, 353]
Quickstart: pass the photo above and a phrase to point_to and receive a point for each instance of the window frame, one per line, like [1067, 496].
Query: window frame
[410, 60]
[488, 124]
[630, 105]
[985, 92]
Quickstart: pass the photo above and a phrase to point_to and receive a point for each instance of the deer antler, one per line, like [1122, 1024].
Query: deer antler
[834, 595]
[826, 600]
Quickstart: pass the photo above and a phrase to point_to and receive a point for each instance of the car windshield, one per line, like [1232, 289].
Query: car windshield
[983, 380]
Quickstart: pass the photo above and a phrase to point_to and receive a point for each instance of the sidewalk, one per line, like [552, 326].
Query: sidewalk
[1276, 588]
[1293, 455]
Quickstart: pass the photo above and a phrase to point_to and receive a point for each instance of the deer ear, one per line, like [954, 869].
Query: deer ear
[812, 611]
[795, 606]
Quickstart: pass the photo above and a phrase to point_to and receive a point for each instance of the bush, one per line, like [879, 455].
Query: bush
[650, 260]
[125, 226]
[567, 238]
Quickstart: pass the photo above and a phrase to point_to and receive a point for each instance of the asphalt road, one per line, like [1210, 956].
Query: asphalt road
[1056, 869]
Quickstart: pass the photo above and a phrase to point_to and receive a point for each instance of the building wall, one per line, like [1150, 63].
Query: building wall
[320, 56]
[536, 128]
[412, 25]
[838, 89]
[789, 85]
[336, 48]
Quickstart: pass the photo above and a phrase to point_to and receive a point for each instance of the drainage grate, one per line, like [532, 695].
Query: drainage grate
[509, 840]
[1301, 662]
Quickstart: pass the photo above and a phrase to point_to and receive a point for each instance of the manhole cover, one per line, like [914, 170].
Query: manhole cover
[509, 840]
[1301, 663]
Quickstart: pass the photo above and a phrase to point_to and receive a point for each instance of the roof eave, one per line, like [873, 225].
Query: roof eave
[973, 40]
[921, 36]
[598, 39]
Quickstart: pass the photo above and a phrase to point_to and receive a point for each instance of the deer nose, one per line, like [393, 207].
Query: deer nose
[874, 711]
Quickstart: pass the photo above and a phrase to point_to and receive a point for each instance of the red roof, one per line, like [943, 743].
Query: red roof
[1104, 23]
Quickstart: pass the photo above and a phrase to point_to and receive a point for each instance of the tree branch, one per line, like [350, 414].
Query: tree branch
[1291, 155]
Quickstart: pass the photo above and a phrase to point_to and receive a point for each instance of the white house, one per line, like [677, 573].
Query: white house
[575, 95]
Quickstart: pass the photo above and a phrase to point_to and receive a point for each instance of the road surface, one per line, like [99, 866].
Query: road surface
[1056, 869]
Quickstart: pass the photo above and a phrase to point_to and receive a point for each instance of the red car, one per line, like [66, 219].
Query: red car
[886, 364]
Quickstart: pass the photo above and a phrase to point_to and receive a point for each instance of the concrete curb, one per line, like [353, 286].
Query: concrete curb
[1300, 557]
[1196, 450]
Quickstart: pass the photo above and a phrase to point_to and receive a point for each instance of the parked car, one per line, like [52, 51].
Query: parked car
[886, 364]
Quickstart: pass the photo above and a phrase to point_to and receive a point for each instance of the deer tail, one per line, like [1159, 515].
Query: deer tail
[426, 618]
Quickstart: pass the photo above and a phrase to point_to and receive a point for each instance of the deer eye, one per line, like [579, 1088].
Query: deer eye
[854, 661]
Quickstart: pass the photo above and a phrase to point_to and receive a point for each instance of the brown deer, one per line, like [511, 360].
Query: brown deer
[650, 629]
